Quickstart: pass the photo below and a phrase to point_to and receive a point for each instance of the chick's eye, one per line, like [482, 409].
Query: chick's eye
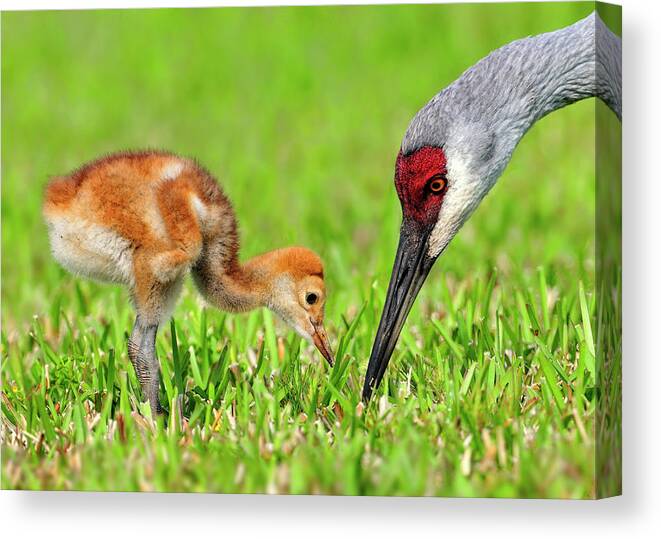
[437, 184]
[311, 298]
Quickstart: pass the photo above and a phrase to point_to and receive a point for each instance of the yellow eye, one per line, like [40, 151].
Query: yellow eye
[437, 184]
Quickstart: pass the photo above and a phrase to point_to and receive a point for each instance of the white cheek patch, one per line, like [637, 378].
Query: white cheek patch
[284, 304]
[463, 195]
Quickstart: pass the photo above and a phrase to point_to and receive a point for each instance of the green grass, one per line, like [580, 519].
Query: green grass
[299, 112]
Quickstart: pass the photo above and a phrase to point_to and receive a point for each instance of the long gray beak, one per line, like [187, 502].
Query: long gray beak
[412, 265]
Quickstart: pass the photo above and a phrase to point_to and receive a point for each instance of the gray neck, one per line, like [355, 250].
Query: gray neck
[505, 93]
[562, 67]
[608, 70]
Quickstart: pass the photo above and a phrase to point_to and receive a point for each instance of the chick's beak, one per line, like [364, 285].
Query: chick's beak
[320, 340]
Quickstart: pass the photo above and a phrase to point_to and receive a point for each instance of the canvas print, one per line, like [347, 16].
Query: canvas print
[342, 250]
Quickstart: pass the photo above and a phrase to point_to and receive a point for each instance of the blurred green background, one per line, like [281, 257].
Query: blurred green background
[299, 112]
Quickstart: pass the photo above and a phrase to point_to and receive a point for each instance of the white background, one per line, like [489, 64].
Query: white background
[637, 513]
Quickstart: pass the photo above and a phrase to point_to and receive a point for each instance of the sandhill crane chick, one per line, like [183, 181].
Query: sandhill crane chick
[144, 220]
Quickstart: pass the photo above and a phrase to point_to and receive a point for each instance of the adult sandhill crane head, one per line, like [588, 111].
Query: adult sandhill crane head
[458, 145]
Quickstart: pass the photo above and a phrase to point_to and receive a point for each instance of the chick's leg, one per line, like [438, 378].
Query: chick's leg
[142, 353]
